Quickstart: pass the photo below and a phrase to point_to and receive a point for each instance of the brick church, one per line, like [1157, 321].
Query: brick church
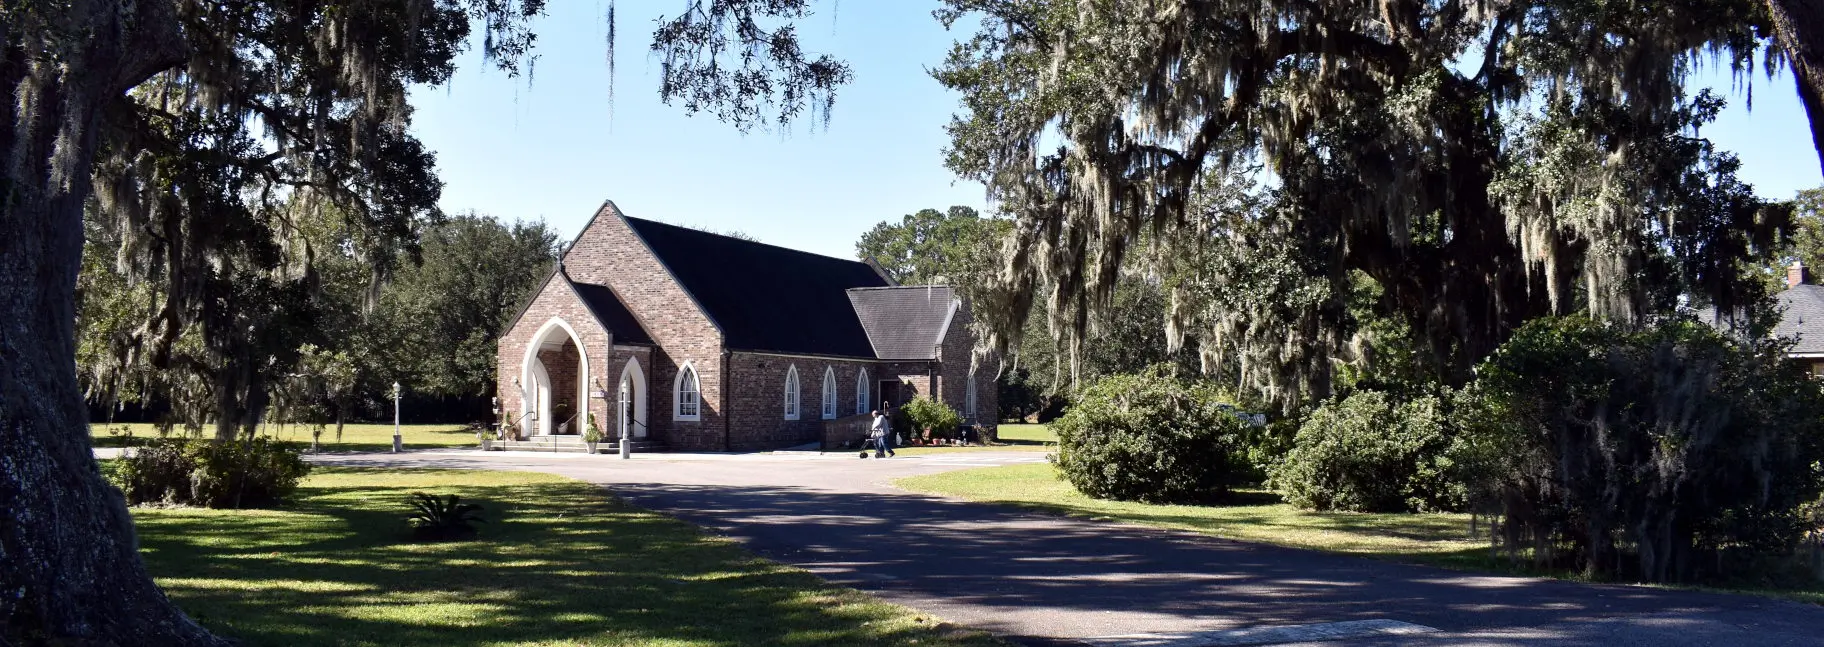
[700, 342]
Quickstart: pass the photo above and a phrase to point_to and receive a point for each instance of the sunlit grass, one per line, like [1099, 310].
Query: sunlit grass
[1443, 536]
[1438, 539]
[558, 563]
[1027, 434]
[355, 437]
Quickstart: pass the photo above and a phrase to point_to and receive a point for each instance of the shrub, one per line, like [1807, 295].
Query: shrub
[925, 413]
[1151, 437]
[237, 474]
[1370, 453]
[1647, 452]
[442, 519]
[591, 432]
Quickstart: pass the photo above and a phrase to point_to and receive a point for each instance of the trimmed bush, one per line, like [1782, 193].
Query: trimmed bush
[1151, 437]
[239, 474]
[925, 413]
[1370, 453]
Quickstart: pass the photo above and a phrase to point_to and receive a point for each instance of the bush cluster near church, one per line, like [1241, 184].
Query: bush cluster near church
[1671, 452]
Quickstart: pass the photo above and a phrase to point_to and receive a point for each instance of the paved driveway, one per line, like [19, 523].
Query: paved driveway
[1053, 581]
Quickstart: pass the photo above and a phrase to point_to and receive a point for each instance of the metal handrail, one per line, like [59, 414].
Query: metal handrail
[516, 425]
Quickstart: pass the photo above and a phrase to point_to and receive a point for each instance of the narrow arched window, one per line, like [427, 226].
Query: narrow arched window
[829, 393]
[969, 395]
[791, 393]
[687, 400]
[861, 392]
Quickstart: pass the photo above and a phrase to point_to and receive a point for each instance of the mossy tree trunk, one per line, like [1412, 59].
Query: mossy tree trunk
[70, 571]
[1799, 27]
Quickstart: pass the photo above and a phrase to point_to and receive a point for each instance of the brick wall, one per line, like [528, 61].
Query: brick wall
[954, 356]
[609, 253]
[757, 397]
[555, 302]
[563, 366]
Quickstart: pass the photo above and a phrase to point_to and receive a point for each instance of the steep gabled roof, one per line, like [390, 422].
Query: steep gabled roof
[764, 297]
[1802, 316]
[904, 322]
[610, 312]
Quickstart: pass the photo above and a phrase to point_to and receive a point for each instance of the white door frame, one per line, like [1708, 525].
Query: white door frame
[635, 378]
[530, 398]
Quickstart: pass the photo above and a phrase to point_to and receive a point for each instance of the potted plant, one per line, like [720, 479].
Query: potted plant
[932, 421]
[591, 433]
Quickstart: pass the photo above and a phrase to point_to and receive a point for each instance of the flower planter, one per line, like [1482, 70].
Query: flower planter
[487, 444]
[591, 447]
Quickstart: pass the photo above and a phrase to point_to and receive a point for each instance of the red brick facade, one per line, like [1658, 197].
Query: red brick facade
[742, 394]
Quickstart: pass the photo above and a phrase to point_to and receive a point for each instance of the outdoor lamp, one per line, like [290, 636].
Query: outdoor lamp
[397, 445]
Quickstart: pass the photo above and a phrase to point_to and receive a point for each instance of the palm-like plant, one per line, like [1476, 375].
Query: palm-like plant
[443, 519]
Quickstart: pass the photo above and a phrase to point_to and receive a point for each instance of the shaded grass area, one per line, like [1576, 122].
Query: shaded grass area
[559, 563]
[355, 437]
[1446, 540]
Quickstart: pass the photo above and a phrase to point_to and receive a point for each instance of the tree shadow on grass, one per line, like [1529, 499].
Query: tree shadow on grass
[557, 562]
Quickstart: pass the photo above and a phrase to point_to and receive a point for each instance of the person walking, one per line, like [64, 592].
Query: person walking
[877, 436]
[886, 438]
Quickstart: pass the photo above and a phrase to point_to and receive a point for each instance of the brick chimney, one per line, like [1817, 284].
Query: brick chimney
[1797, 274]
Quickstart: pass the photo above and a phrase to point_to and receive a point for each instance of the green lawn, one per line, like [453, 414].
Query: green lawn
[1437, 539]
[355, 437]
[1027, 434]
[1430, 537]
[559, 563]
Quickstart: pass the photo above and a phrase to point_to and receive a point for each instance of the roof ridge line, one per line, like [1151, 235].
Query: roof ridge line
[746, 241]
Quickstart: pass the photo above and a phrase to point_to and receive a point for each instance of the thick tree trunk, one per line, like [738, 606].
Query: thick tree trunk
[1799, 26]
[70, 571]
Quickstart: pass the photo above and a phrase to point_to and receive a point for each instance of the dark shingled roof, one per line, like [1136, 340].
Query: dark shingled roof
[1802, 316]
[904, 322]
[612, 314]
[763, 297]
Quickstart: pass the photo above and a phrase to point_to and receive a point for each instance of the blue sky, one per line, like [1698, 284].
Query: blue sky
[555, 149]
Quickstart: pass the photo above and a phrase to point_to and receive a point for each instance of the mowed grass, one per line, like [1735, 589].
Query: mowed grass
[1027, 434]
[355, 437]
[1438, 539]
[559, 562]
[1259, 517]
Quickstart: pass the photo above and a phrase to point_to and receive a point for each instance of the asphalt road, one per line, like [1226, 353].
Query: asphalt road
[1046, 580]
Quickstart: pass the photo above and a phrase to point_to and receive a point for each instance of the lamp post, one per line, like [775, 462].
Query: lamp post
[397, 445]
[626, 433]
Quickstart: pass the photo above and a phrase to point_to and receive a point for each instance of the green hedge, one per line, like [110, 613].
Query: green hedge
[238, 474]
[1372, 453]
[1151, 437]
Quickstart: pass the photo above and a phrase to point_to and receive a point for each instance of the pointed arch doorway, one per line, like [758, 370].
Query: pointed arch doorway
[630, 402]
[554, 378]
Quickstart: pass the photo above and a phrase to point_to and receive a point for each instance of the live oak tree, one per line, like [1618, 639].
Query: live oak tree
[1483, 162]
[200, 132]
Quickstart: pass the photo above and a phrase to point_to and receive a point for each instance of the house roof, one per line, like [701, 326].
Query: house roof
[610, 312]
[904, 322]
[764, 297]
[1802, 316]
